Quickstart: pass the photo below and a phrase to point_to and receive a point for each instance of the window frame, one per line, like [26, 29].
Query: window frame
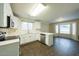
[68, 29]
[71, 28]
[27, 26]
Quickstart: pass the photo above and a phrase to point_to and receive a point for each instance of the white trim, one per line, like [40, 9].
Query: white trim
[8, 42]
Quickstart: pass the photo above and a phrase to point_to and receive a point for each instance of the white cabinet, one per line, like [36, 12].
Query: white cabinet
[8, 9]
[28, 37]
[31, 36]
[17, 22]
[24, 38]
[36, 27]
[5, 10]
[34, 36]
[10, 49]
[3, 22]
[47, 38]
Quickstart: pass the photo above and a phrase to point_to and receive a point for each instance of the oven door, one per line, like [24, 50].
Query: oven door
[2, 37]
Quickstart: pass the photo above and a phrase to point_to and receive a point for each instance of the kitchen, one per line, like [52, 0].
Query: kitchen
[11, 32]
[9, 40]
[33, 29]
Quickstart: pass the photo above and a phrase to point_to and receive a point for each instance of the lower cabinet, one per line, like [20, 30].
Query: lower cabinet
[47, 39]
[29, 37]
[10, 49]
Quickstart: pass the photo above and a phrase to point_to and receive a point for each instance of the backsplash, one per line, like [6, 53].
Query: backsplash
[10, 31]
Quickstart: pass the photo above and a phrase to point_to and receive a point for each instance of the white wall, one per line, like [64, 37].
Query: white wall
[75, 37]
[44, 27]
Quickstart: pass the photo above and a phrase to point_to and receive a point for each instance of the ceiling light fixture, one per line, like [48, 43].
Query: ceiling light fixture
[60, 19]
[37, 9]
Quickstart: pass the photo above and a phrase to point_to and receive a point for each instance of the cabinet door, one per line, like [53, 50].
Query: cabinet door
[34, 36]
[8, 9]
[10, 49]
[36, 26]
[17, 23]
[3, 21]
[26, 38]
[49, 40]
[1, 15]
[5, 10]
[37, 36]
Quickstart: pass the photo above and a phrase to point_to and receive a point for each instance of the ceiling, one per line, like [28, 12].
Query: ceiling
[53, 13]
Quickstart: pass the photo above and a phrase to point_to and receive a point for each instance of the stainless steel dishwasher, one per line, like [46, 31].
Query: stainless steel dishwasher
[43, 38]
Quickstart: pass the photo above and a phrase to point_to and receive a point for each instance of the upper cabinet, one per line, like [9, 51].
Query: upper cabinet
[2, 18]
[5, 10]
[7, 19]
[37, 26]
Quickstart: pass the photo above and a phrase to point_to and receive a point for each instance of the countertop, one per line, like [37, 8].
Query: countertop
[11, 37]
[47, 33]
[9, 40]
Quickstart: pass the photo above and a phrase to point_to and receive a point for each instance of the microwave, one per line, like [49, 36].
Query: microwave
[10, 22]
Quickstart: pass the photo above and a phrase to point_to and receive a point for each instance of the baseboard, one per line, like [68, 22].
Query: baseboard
[29, 43]
[34, 42]
[65, 38]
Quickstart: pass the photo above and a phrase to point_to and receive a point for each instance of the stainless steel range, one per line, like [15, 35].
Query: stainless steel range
[2, 36]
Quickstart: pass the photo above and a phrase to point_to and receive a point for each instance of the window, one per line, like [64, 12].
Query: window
[56, 28]
[26, 26]
[74, 28]
[65, 28]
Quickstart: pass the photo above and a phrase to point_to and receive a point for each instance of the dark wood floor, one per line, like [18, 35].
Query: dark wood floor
[61, 47]
[65, 47]
[36, 49]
